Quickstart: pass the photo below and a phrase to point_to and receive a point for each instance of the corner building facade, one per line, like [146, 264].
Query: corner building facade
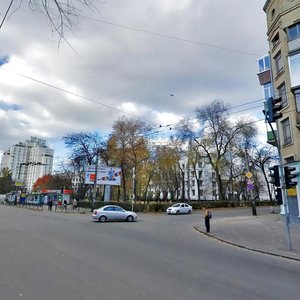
[283, 31]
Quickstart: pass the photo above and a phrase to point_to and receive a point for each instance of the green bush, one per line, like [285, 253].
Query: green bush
[162, 206]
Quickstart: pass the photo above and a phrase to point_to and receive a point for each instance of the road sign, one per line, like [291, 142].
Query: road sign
[250, 186]
[248, 174]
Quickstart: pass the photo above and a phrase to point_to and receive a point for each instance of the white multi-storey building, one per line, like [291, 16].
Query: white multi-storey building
[28, 161]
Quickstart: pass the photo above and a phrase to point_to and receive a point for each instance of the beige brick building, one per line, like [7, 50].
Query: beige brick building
[283, 32]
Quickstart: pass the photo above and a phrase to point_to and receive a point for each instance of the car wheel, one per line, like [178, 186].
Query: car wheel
[177, 212]
[129, 219]
[189, 212]
[102, 219]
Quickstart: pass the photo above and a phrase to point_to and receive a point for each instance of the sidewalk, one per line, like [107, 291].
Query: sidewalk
[263, 233]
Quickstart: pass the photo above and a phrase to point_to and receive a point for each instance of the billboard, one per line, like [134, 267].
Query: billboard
[105, 175]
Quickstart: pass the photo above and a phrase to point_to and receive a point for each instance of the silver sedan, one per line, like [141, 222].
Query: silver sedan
[113, 213]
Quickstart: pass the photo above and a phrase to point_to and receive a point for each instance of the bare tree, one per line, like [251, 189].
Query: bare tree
[219, 136]
[262, 159]
[84, 148]
[60, 14]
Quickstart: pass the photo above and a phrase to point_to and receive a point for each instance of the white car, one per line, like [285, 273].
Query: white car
[113, 213]
[180, 208]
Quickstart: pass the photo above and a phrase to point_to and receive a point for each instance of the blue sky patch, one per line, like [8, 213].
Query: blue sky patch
[3, 60]
[7, 106]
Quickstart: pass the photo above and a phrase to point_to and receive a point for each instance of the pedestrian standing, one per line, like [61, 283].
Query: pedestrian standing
[207, 217]
[65, 205]
[75, 203]
[50, 204]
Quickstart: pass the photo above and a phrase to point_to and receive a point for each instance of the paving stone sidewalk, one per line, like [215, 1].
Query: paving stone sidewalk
[262, 233]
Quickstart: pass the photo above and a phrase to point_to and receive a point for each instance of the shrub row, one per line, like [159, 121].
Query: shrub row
[162, 206]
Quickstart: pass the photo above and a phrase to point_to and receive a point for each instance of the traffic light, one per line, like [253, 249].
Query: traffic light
[273, 108]
[274, 174]
[289, 176]
[278, 196]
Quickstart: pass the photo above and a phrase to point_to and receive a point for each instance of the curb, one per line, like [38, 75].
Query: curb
[245, 247]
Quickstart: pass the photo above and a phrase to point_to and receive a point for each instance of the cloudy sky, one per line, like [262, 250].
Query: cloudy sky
[126, 58]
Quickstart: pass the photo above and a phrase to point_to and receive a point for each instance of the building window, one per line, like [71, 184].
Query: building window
[297, 99]
[278, 62]
[289, 159]
[286, 129]
[293, 32]
[264, 64]
[268, 90]
[282, 93]
[273, 13]
[294, 66]
[275, 40]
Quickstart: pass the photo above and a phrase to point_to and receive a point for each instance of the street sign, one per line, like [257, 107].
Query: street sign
[250, 186]
[248, 174]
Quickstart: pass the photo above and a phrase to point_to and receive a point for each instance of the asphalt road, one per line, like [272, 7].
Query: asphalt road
[46, 255]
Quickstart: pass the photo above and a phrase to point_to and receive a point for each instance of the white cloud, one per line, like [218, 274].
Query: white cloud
[121, 71]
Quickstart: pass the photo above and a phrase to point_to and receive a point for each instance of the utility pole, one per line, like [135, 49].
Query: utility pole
[133, 187]
[95, 182]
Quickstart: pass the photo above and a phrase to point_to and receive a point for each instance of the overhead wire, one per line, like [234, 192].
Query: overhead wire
[163, 35]
[122, 111]
[83, 97]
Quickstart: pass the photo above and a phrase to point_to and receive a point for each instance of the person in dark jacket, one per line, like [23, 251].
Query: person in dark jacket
[207, 216]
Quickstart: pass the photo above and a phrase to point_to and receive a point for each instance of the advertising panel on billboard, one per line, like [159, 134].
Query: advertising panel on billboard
[105, 175]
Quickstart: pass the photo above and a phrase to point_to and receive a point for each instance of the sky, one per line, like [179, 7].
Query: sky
[154, 60]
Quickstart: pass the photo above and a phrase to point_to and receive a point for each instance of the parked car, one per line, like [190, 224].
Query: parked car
[113, 213]
[180, 208]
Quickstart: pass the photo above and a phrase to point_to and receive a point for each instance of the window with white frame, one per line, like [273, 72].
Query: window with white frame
[286, 130]
[264, 64]
[294, 66]
[268, 90]
[278, 62]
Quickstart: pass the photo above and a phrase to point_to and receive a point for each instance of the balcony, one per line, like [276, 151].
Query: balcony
[271, 138]
[264, 77]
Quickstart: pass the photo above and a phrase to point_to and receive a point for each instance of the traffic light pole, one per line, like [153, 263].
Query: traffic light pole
[285, 207]
[95, 183]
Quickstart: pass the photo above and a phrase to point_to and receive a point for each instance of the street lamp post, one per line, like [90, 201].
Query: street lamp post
[95, 182]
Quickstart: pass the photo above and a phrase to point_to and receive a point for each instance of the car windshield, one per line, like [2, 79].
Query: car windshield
[176, 205]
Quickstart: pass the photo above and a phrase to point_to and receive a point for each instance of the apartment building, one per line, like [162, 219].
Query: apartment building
[283, 32]
[28, 161]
